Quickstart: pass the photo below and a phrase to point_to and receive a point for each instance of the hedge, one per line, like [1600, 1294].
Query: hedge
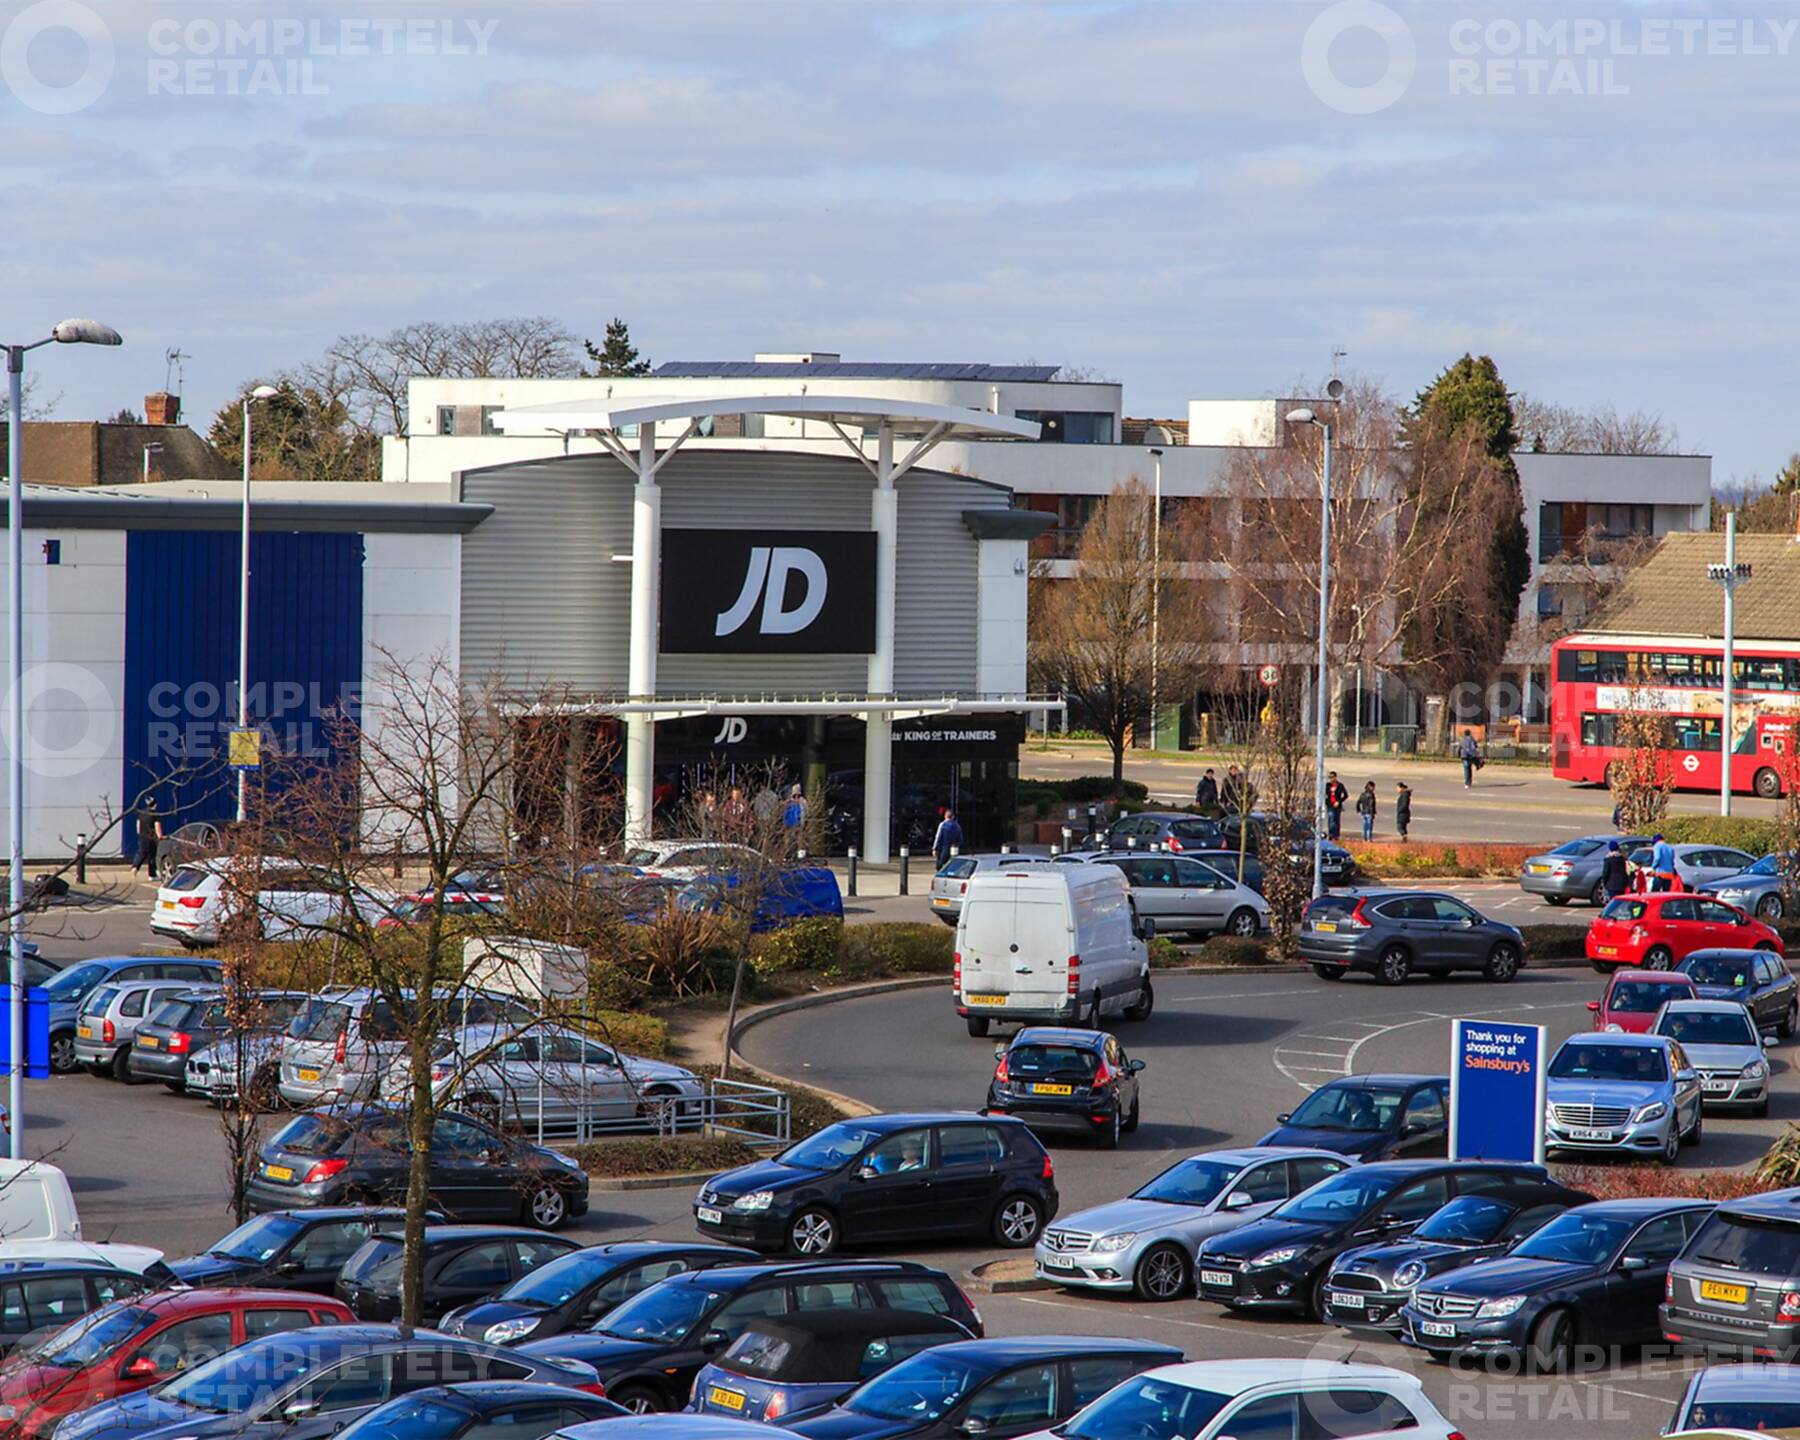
[1628, 1182]
[1741, 832]
[662, 1154]
[1079, 790]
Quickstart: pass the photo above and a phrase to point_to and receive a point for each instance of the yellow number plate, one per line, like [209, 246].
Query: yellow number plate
[1719, 1290]
[308, 1076]
[730, 1399]
[1329, 926]
[146, 1042]
[1539, 869]
[1052, 1089]
[987, 999]
[165, 904]
[1606, 949]
[278, 1172]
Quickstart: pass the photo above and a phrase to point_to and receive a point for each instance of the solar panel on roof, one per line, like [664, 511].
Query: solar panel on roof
[852, 369]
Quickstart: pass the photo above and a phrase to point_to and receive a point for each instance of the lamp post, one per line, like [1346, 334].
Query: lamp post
[1728, 577]
[1155, 592]
[69, 332]
[1305, 416]
[261, 392]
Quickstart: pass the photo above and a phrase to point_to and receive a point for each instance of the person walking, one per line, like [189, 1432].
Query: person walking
[1615, 879]
[949, 837]
[1337, 794]
[1662, 864]
[1365, 807]
[1471, 758]
[1231, 793]
[793, 817]
[150, 834]
[1402, 807]
[1206, 793]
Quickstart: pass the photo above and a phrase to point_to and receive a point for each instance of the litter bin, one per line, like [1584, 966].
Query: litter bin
[1399, 739]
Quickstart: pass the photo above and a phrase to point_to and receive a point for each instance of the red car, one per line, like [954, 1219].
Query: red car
[1632, 999]
[131, 1344]
[1659, 931]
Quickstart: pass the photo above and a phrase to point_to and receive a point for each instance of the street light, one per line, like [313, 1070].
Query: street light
[69, 332]
[1728, 577]
[1155, 592]
[1304, 416]
[261, 392]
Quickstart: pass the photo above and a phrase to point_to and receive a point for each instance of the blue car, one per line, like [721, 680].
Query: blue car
[800, 892]
[1618, 1093]
[75, 983]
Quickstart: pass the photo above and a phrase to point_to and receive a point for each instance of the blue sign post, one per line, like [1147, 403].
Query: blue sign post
[1497, 1085]
[37, 1041]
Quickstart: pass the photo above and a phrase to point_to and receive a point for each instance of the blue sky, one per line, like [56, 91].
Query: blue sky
[1157, 190]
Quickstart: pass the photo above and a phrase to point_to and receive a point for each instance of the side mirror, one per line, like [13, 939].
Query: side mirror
[1146, 930]
[141, 1368]
[974, 1425]
[1283, 1119]
[713, 1340]
[1135, 1066]
[865, 1172]
[1634, 1262]
[1414, 1127]
[1594, 1005]
[1237, 1200]
[290, 1267]
[1768, 1042]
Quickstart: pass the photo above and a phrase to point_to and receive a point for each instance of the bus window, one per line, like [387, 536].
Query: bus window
[1693, 732]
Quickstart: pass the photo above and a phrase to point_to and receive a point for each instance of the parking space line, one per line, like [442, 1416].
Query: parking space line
[1316, 1054]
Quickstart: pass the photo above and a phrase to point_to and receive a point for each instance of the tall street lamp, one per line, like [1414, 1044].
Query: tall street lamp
[69, 332]
[261, 392]
[1305, 416]
[1155, 593]
[1728, 577]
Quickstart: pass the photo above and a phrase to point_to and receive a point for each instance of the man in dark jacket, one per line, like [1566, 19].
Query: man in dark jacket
[948, 839]
[1402, 807]
[1336, 794]
[1614, 878]
[1206, 793]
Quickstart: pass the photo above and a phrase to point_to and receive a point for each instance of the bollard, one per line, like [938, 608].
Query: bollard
[800, 855]
[1055, 850]
[850, 883]
[955, 850]
[1006, 849]
[81, 859]
[1068, 838]
[905, 855]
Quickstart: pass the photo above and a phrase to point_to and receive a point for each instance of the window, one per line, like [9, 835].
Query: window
[1426, 1107]
[13, 1319]
[1262, 1184]
[488, 412]
[1679, 910]
[1444, 908]
[1017, 1400]
[416, 1369]
[108, 1288]
[918, 1295]
[1416, 1201]
[533, 1253]
[270, 1322]
[1657, 1242]
[327, 1247]
[1158, 874]
[832, 1295]
[459, 1138]
[969, 1145]
[1343, 1414]
[1414, 908]
[1694, 732]
[528, 1422]
[1195, 876]
[1090, 1379]
[1308, 1173]
[446, 419]
[133, 1003]
[1270, 1419]
[897, 1154]
[55, 1300]
[731, 1320]
[186, 1344]
[358, 1382]
[477, 1267]
[1714, 913]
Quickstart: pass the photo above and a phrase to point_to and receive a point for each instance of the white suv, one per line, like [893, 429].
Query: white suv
[292, 901]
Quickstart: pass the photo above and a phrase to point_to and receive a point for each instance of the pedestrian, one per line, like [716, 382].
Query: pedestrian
[1614, 878]
[949, 837]
[793, 818]
[1402, 807]
[1471, 757]
[1231, 792]
[1365, 807]
[1336, 795]
[1206, 793]
[1662, 864]
[150, 834]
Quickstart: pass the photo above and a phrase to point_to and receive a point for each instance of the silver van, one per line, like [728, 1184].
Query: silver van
[108, 1021]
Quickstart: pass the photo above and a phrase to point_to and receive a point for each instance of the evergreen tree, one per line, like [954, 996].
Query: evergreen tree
[1787, 478]
[616, 355]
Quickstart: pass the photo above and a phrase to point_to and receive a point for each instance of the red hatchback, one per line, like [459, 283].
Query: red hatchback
[1632, 999]
[1659, 931]
[130, 1344]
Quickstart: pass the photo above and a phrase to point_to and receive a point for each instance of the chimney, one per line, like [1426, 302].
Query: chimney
[162, 408]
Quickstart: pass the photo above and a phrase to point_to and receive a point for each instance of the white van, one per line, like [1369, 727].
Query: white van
[36, 1203]
[1051, 942]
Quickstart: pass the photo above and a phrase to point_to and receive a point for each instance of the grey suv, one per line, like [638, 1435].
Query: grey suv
[1394, 933]
[1736, 1285]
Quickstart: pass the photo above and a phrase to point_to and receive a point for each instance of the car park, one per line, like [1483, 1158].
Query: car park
[787, 1366]
[1758, 1397]
[1699, 864]
[1145, 1244]
[1370, 1117]
[288, 1249]
[1721, 1041]
[1592, 1276]
[1755, 979]
[1394, 934]
[1186, 896]
[951, 882]
[1611, 1094]
[1634, 996]
[1282, 1261]
[192, 1022]
[1068, 1081]
[1659, 930]
[38, 1297]
[649, 1349]
[1736, 1287]
[74, 983]
[887, 1177]
[1768, 889]
[1002, 1388]
[575, 1290]
[1573, 870]
[482, 1410]
[1366, 1288]
[111, 1016]
[462, 1263]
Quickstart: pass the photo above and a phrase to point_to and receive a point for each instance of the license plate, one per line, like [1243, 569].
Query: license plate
[707, 1215]
[1538, 869]
[940, 899]
[278, 1172]
[987, 999]
[1578, 1132]
[1719, 1290]
[729, 1399]
[146, 1042]
[1328, 926]
[1437, 1329]
[1606, 949]
[165, 904]
[1052, 1089]
[1715, 1087]
[309, 1077]
[1058, 1262]
[1345, 1300]
[1218, 1277]
[86, 1032]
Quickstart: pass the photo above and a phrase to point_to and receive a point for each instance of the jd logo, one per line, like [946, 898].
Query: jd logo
[767, 579]
[732, 730]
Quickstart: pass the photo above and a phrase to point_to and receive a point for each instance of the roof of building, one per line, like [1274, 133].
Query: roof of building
[96, 452]
[957, 421]
[860, 369]
[1670, 594]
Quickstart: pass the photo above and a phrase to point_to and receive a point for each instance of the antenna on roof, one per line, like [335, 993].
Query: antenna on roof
[172, 370]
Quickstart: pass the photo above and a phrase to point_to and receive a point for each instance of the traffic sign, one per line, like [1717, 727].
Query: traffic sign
[246, 750]
[1269, 674]
[37, 1039]
[1497, 1086]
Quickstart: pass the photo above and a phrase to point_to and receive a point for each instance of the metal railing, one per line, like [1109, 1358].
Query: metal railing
[759, 1115]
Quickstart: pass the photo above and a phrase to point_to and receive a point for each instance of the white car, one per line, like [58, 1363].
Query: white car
[292, 901]
[689, 859]
[1210, 1399]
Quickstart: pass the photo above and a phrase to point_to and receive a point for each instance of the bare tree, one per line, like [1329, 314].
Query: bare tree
[1642, 778]
[1286, 765]
[1545, 425]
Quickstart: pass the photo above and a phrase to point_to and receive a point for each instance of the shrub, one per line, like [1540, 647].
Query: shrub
[636, 1034]
[662, 1154]
[894, 947]
[1780, 1164]
[1165, 953]
[808, 945]
[1083, 788]
[1554, 942]
[1626, 1182]
[1741, 832]
[1239, 950]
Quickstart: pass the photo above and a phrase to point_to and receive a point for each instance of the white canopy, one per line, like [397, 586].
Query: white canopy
[905, 417]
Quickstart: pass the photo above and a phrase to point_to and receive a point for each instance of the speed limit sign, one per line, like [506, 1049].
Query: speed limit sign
[1269, 674]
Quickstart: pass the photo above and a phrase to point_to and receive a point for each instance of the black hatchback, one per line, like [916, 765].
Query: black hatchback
[1371, 1117]
[187, 1024]
[1394, 934]
[1076, 1081]
[888, 1177]
[289, 1249]
[462, 1263]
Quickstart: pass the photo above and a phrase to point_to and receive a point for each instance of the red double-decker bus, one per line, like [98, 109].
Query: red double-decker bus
[1595, 677]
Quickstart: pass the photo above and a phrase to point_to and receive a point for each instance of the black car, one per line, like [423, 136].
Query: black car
[650, 1348]
[37, 1296]
[1592, 1276]
[576, 1289]
[1367, 1287]
[888, 1177]
[462, 1263]
[483, 1410]
[1281, 1261]
[187, 1024]
[1080, 1081]
[289, 1249]
[1758, 980]
[1371, 1117]
[992, 1388]
[1393, 934]
[359, 1153]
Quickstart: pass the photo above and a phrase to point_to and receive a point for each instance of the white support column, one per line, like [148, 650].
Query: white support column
[646, 574]
[878, 740]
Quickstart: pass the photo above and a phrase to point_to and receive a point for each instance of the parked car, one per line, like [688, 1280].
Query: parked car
[1592, 1276]
[1614, 1092]
[1370, 1117]
[1721, 1041]
[787, 1366]
[1281, 1262]
[887, 1177]
[359, 1154]
[459, 900]
[1658, 931]
[689, 858]
[649, 1349]
[575, 1290]
[1268, 1399]
[1633, 997]
[74, 983]
[463, 1263]
[41, 1296]
[186, 1024]
[1184, 895]
[793, 892]
[130, 1344]
[1336, 864]
[1757, 980]
[1393, 934]
[1234, 865]
[482, 1410]
[1078, 1081]
[37, 1202]
[1146, 1243]
[999, 1388]
[310, 1384]
[1758, 1397]
[951, 882]
[111, 1016]
[1701, 864]
[1768, 889]
[215, 1071]
[1366, 1288]
[143, 1260]
[293, 901]
[1572, 871]
[1176, 830]
[288, 1249]
[1736, 1287]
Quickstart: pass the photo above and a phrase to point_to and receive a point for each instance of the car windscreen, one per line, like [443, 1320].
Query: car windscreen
[1633, 1064]
[1470, 1220]
[1146, 1407]
[663, 1313]
[1575, 1239]
[834, 1146]
[562, 1279]
[98, 1002]
[93, 1337]
[1642, 997]
[1769, 865]
[1739, 1242]
[412, 1417]
[1622, 909]
[242, 1379]
[1363, 1109]
[1343, 1196]
[71, 984]
[1732, 970]
[260, 1239]
[375, 1263]
[1191, 1182]
[959, 869]
[312, 1134]
[1709, 1027]
[918, 1390]
[1575, 849]
[1044, 1062]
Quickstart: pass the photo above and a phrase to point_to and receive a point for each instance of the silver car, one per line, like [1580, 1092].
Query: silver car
[109, 1018]
[1572, 871]
[1183, 894]
[1146, 1243]
[1762, 890]
[1724, 1045]
[1622, 1093]
[949, 884]
[1699, 865]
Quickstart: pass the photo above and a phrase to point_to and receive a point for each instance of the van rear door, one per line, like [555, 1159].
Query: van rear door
[1014, 940]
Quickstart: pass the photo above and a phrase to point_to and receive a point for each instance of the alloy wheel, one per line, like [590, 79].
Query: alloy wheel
[1018, 1221]
[548, 1207]
[814, 1233]
[1163, 1274]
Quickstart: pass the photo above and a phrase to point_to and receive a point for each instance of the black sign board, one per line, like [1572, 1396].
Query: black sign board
[768, 592]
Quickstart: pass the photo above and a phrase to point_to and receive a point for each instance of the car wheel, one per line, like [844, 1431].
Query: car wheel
[1766, 947]
[546, 1207]
[813, 1232]
[1558, 900]
[1552, 1342]
[978, 1026]
[1094, 1013]
[1659, 957]
[1601, 967]
[1789, 1021]
[121, 1066]
[175, 1087]
[1109, 1133]
[1597, 897]
[1131, 1120]
[1394, 965]
[1502, 962]
[1767, 784]
[62, 1053]
[1146, 1002]
[1017, 1220]
[1242, 923]
[638, 1399]
[1315, 1302]
[1671, 1150]
[1162, 1274]
[1328, 972]
[1770, 907]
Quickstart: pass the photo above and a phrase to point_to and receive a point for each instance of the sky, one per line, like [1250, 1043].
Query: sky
[1198, 199]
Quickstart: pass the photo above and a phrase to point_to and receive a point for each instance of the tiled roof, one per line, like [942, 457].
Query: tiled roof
[1670, 594]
